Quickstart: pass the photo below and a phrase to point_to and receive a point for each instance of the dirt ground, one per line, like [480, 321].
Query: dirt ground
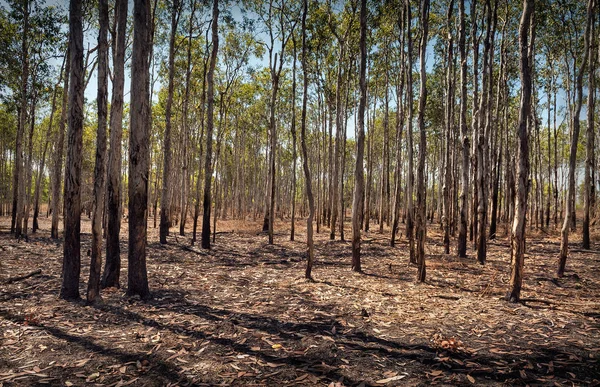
[243, 315]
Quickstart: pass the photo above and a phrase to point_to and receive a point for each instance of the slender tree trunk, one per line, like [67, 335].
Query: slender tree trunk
[18, 178]
[410, 233]
[449, 125]
[399, 127]
[72, 196]
[570, 199]
[57, 172]
[93, 290]
[186, 124]
[112, 267]
[140, 122]
[518, 227]
[307, 178]
[209, 128]
[421, 221]
[589, 184]
[359, 174]
[464, 193]
[40, 174]
[294, 151]
[167, 189]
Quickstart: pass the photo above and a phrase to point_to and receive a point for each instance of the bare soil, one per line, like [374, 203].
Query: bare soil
[242, 314]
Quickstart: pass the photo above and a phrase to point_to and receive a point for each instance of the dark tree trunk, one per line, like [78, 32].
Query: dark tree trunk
[112, 268]
[93, 290]
[139, 151]
[72, 196]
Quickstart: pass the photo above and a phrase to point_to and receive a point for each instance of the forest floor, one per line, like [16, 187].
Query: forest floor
[242, 314]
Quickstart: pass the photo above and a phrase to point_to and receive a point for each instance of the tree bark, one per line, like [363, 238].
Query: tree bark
[464, 192]
[167, 189]
[410, 233]
[210, 97]
[420, 220]
[307, 178]
[93, 290]
[449, 124]
[518, 227]
[139, 152]
[18, 178]
[112, 267]
[72, 196]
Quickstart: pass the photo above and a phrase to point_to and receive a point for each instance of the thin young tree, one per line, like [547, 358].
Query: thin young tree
[57, 170]
[139, 151]
[93, 289]
[18, 178]
[464, 186]
[307, 177]
[569, 200]
[590, 157]
[72, 196]
[112, 267]
[420, 219]
[210, 98]
[449, 124]
[410, 181]
[167, 189]
[359, 173]
[526, 38]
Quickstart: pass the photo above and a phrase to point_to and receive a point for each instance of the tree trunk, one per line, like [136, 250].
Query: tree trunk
[137, 279]
[209, 128]
[112, 267]
[421, 221]
[58, 171]
[359, 173]
[410, 233]
[186, 125]
[518, 228]
[93, 289]
[18, 178]
[72, 195]
[589, 184]
[307, 178]
[399, 127]
[294, 152]
[464, 192]
[167, 189]
[40, 174]
[570, 199]
[449, 125]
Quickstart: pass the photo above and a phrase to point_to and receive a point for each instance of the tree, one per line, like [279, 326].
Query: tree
[93, 290]
[359, 173]
[307, 178]
[589, 184]
[210, 98]
[570, 201]
[420, 219]
[112, 268]
[72, 196]
[464, 187]
[167, 189]
[526, 40]
[18, 178]
[139, 152]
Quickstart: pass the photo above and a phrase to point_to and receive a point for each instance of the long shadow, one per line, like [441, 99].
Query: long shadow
[356, 340]
[160, 369]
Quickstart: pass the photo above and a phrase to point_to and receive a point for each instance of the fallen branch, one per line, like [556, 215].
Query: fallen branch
[22, 277]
